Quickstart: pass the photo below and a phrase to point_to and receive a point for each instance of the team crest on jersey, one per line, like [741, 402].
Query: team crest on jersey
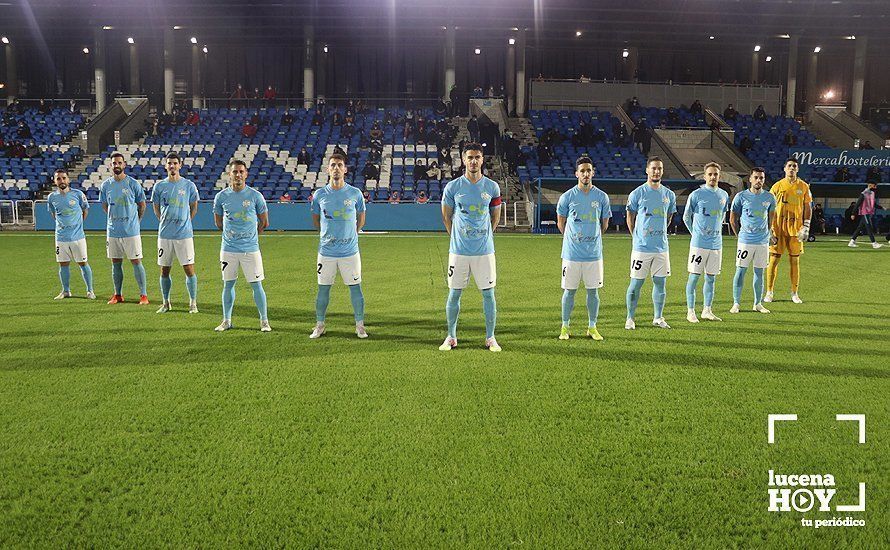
[722, 202]
[245, 204]
[348, 202]
[71, 202]
[665, 200]
[486, 197]
[765, 204]
[595, 204]
[182, 192]
[799, 191]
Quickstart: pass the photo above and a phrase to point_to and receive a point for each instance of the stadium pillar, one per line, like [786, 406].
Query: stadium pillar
[99, 63]
[520, 73]
[196, 77]
[449, 64]
[510, 84]
[755, 68]
[791, 88]
[168, 69]
[12, 79]
[632, 63]
[812, 82]
[858, 75]
[134, 70]
[308, 66]
[321, 62]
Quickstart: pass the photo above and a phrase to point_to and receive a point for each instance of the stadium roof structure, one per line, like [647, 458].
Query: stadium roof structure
[563, 23]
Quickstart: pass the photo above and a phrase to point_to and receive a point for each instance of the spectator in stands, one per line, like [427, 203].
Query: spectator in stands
[490, 92]
[16, 150]
[389, 119]
[303, 157]
[421, 197]
[543, 154]
[248, 130]
[620, 136]
[578, 138]
[842, 175]
[696, 108]
[730, 114]
[819, 218]
[441, 109]
[473, 129]
[867, 145]
[759, 113]
[394, 197]
[790, 139]
[322, 105]
[407, 130]
[348, 130]
[419, 171]
[349, 113]
[873, 175]
[238, 93]
[367, 195]
[269, 96]
[73, 109]
[376, 132]
[433, 173]
[287, 118]
[477, 91]
[285, 197]
[634, 103]
[673, 117]
[745, 145]
[23, 131]
[336, 119]
[371, 172]
[318, 118]
[193, 119]
[44, 108]
[32, 151]
[256, 119]
[444, 155]
[376, 152]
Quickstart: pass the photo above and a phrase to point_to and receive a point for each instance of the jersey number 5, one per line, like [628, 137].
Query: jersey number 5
[451, 271]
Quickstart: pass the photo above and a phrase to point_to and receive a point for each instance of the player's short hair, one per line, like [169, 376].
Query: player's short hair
[337, 156]
[650, 160]
[757, 169]
[712, 165]
[237, 162]
[792, 159]
[472, 146]
[173, 156]
[584, 160]
[61, 171]
[118, 154]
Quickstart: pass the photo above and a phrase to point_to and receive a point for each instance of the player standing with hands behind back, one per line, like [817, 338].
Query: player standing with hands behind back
[794, 206]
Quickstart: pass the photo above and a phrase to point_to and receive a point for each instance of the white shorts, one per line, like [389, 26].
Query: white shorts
[350, 269]
[703, 260]
[251, 264]
[73, 251]
[642, 264]
[124, 247]
[483, 268]
[183, 249]
[758, 254]
[573, 272]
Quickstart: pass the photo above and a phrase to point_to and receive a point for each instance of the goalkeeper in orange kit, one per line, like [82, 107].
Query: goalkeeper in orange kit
[790, 228]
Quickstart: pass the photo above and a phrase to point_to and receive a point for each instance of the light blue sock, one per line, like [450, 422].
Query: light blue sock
[87, 273]
[710, 283]
[65, 277]
[139, 272]
[228, 299]
[633, 296]
[358, 302]
[191, 283]
[117, 276]
[758, 285]
[322, 301]
[658, 295]
[166, 284]
[490, 308]
[691, 285]
[738, 281]
[452, 311]
[593, 306]
[259, 298]
[568, 304]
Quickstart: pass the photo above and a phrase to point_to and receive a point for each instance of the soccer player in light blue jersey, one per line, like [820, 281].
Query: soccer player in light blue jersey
[175, 202]
[68, 207]
[704, 215]
[241, 212]
[752, 215]
[471, 210]
[649, 208]
[123, 200]
[582, 215]
[338, 210]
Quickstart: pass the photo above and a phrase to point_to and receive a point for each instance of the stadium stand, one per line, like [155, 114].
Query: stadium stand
[271, 153]
[612, 160]
[768, 137]
[668, 118]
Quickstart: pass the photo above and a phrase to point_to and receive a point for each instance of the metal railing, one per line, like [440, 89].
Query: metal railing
[298, 102]
[527, 206]
[24, 212]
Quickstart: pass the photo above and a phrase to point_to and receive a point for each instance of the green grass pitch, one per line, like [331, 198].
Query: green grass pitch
[121, 427]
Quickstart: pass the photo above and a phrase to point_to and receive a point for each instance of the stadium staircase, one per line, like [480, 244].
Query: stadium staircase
[841, 129]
